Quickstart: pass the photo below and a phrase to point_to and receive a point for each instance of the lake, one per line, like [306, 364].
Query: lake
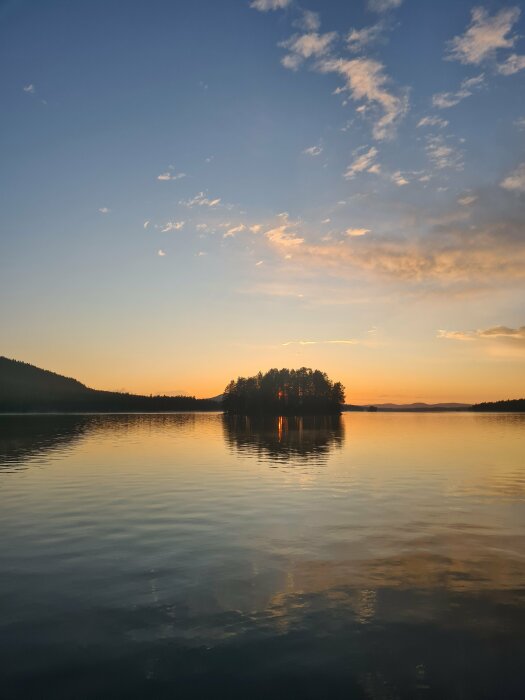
[193, 556]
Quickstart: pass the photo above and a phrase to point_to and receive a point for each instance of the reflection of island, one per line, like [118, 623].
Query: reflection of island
[284, 438]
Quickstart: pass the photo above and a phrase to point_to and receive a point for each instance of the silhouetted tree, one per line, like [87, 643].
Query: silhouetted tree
[284, 392]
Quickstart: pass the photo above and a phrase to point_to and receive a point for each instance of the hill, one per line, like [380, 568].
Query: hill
[25, 388]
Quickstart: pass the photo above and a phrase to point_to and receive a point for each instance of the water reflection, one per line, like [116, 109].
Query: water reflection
[148, 559]
[35, 436]
[284, 439]
[25, 437]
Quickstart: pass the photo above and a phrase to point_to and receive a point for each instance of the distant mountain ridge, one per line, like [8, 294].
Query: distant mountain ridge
[418, 406]
[406, 407]
[26, 388]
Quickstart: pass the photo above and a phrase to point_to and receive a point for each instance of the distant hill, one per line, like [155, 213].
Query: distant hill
[26, 388]
[510, 405]
[406, 407]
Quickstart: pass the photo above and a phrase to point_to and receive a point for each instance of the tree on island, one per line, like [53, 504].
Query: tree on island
[284, 392]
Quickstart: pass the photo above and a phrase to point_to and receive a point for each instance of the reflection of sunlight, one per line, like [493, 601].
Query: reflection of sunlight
[365, 608]
[290, 439]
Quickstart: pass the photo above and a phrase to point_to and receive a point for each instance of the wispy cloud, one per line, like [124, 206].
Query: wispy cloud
[399, 179]
[305, 46]
[467, 200]
[309, 21]
[350, 341]
[104, 210]
[515, 182]
[513, 64]
[161, 253]
[496, 332]
[172, 226]
[432, 121]
[313, 151]
[484, 36]
[266, 5]
[30, 89]
[358, 39]
[366, 80]
[146, 223]
[284, 237]
[383, 5]
[200, 200]
[445, 100]
[165, 177]
[453, 258]
[365, 162]
[443, 155]
[234, 230]
[357, 231]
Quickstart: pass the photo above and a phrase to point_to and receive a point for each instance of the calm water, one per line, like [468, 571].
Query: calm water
[377, 556]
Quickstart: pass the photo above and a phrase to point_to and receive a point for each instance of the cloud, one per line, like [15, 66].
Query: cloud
[29, 89]
[444, 100]
[266, 5]
[432, 121]
[313, 151]
[259, 263]
[520, 123]
[146, 223]
[104, 210]
[161, 253]
[309, 21]
[496, 332]
[172, 226]
[234, 230]
[442, 155]
[399, 179]
[200, 200]
[358, 39]
[467, 200]
[366, 80]
[363, 163]
[306, 46]
[283, 237]
[452, 258]
[383, 5]
[484, 36]
[357, 231]
[170, 176]
[350, 341]
[513, 64]
[255, 228]
[515, 182]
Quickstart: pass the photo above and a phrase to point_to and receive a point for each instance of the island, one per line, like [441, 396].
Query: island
[284, 392]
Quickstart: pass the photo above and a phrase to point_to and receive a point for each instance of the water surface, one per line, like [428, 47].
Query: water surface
[188, 555]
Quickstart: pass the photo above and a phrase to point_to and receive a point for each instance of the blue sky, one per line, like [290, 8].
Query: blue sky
[191, 191]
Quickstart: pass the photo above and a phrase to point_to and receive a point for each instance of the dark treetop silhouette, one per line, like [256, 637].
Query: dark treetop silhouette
[284, 392]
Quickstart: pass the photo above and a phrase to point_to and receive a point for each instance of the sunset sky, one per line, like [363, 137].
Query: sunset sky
[193, 190]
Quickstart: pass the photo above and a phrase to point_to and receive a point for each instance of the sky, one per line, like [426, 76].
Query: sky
[193, 191]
